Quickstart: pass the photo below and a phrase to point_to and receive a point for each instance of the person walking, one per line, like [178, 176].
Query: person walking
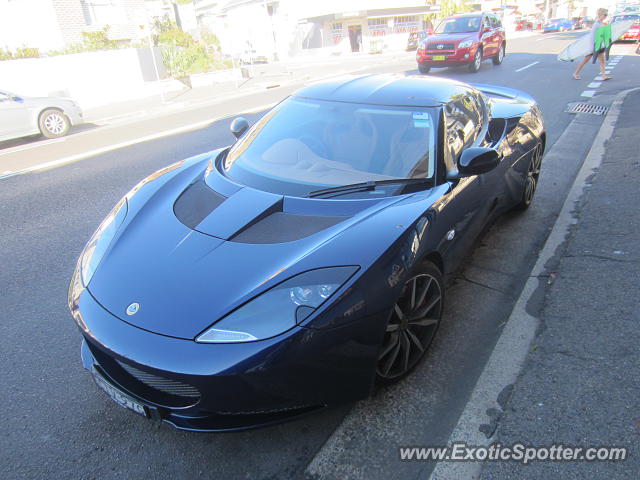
[600, 22]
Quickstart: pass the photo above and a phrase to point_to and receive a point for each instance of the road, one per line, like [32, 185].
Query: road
[58, 424]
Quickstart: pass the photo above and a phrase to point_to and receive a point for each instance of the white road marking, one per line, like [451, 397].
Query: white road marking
[29, 146]
[594, 84]
[527, 66]
[588, 93]
[109, 148]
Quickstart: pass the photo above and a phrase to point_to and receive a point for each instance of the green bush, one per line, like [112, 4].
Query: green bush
[98, 40]
[5, 55]
[26, 52]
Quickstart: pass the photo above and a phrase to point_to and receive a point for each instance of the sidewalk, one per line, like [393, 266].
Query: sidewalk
[580, 385]
[262, 77]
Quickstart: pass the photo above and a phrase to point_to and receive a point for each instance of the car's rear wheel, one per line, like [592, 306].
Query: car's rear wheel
[531, 181]
[424, 68]
[412, 324]
[53, 123]
[477, 61]
[497, 60]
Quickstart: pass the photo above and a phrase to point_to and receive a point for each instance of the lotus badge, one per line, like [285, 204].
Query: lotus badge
[133, 308]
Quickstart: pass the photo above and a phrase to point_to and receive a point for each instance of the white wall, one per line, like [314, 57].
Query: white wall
[92, 79]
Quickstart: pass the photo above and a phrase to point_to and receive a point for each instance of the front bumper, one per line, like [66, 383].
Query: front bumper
[221, 387]
[459, 56]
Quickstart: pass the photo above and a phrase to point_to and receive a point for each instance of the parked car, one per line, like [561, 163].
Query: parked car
[290, 271]
[557, 25]
[633, 34]
[463, 40]
[577, 23]
[414, 40]
[524, 24]
[587, 22]
[51, 116]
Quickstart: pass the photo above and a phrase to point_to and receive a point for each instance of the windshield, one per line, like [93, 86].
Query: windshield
[302, 145]
[459, 25]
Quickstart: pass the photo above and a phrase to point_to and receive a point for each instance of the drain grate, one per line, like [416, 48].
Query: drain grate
[590, 108]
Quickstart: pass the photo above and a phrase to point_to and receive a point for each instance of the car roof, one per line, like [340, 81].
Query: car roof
[386, 89]
[470, 14]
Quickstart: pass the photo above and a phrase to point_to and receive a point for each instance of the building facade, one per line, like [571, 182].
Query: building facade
[54, 24]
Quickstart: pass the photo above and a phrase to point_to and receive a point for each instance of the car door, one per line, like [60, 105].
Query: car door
[14, 117]
[487, 38]
[462, 211]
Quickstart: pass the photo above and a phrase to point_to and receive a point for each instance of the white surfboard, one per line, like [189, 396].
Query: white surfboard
[582, 46]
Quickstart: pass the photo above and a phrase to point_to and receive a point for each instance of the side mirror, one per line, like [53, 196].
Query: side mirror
[429, 31]
[476, 161]
[17, 99]
[486, 29]
[239, 126]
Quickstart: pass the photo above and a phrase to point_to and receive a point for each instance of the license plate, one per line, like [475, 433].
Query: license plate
[119, 397]
[439, 57]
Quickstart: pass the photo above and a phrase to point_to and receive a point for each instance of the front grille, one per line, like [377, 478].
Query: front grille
[444, 47]
[166, 385]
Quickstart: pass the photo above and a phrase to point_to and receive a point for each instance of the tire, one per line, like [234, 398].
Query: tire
[497, 60]
[477, 61]
[424, 68]
[412, 324]
[531, 180]
[53, 123]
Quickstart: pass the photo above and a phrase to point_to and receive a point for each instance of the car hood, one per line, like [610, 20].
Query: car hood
[185, 278]
[451, 37]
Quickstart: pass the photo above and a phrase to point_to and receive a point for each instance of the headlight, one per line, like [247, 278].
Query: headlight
[465, 44]
[94, 251]
[280, 308]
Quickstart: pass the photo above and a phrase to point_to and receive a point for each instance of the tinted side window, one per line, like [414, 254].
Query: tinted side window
[464, 123]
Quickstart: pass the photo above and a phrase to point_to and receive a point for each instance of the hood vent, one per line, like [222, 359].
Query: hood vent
[282, 227]
[196, 203]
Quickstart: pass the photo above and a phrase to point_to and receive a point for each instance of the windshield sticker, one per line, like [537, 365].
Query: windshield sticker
[421, 120]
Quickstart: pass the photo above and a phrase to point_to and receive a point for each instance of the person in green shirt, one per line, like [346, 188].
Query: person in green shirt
[602, 45]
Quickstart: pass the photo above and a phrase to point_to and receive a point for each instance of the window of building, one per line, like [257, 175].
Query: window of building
[336, 32]
[103, 12]
[406, 24]
[378, 26]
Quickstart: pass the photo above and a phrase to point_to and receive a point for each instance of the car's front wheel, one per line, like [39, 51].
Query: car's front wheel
[497, 60]
[477, 61]
[531, 180]
[412, 324]
[424, 68]
[53, 123]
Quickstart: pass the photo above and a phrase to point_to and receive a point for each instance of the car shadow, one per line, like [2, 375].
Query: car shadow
[38, 139]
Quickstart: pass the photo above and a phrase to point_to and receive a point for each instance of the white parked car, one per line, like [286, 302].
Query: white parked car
[22, 116]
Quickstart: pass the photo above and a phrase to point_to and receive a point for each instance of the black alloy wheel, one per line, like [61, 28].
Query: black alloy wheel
[531, 181]
[497, 60]
[412, 324]
[477, 61]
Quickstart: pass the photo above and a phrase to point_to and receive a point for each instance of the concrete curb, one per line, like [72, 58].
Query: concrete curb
[510, 354]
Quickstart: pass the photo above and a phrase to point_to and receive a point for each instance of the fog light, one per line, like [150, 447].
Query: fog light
[466, 55]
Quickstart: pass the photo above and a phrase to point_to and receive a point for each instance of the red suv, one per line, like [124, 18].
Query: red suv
[463, 40]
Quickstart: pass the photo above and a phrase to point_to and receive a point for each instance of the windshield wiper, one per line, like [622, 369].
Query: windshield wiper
[364, 186]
